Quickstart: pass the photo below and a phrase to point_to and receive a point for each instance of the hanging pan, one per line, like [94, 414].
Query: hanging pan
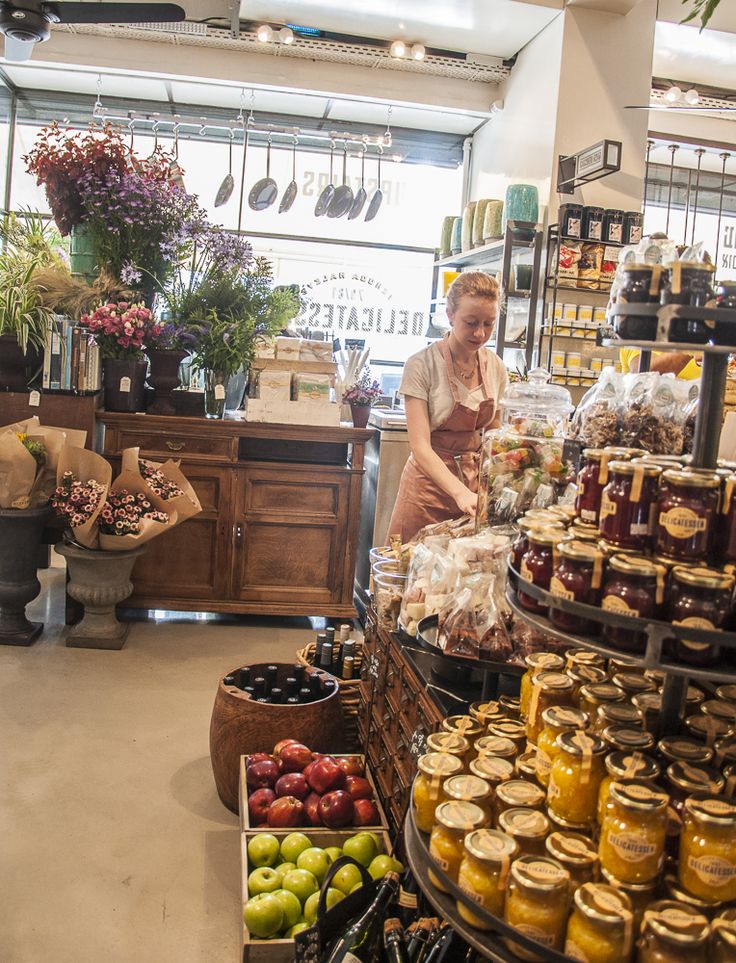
[175, 172]
[323, 201]
[342, 199]
[375, 203]
[225, 190]
[264, 192]
[290, 193]
[360, 198]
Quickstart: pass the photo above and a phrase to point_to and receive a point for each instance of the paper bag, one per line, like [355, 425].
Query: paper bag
[85, 465]
[149, 528]
[186, 504]
[53, 440]
[17, 472]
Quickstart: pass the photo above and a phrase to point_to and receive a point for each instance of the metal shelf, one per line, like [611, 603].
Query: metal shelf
[576, 290]
[665, 314]
[494, 251]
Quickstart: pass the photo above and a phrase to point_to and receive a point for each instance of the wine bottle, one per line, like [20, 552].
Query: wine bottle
[441, 946]
[229, 680]
[263, 699]
[292, 701]
[408, 899]
[345, 631]
[326, 660]
[321, 639]
[348, 667]
[250, 691]
[419, 939]
[292, 686]
[259, 686]
[394, 944]
[244, 677]
[305, 695]
[315, 685]
[328, 688]
[272, 672]
[277, 695]
[297, 671]
[361, 940]
[330, 635]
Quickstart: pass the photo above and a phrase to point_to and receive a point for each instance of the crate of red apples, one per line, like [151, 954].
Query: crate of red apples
[295, 787]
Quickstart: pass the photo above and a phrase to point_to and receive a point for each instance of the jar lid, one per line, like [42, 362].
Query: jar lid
[464, 725]
[624, 737]
[439, 764]
[467, 788]
[633, 683]
[512, 704]
[585, 674]
[460, 815]
[724, 928]
[522, 823]
[604, 904]
[634, 565]
[540, 873]
[492, 769]
[621, 713]
[727, 693]
[630, 468]
[571, 848]
[526, 763]
[553, 681]
[580, 551]
[656, 676]
[677, 923]
[692, 266]
[527, 525]
[485, 712]
[451, 742]
[708, 727]
[693, 779]
[628, 452]
[600, 692]
[715, 811]
[583, 657]
[691, 479]
[676, 891]
[680, 749]
[496, 745]
[703, 577]
[720, 709]
[585, 533]
[509, 728]
[636, 266]
[564, 512]
[623, 764]
[537, 397]
[580, 743]
[563, 717]
[647, 702]
[545, 536]
[609, 549]
[639, 796]
[637, 889]
[544, 660]
[491, 846]
[519, 792]
[725, 751]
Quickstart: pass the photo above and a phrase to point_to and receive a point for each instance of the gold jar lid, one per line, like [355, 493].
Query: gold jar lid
[492, 768]
[656, 676]
[647, 702]
[583, 657]
[676, 923]
[540, 873]
[522, 823]
[463, 725]
[636, 565]
[676, 891]
[598, 693]
[695, 779]
[511, 704]
[724, 928]
[585, 532]
[595, 454]
[639, 796]
[702, 577]
[620, 714]
[727, 693]
[496, 746]
[544, 515]
[720, 710]
[691, 479]
[544, 660]
[553, 682]
[725, 751]
[527, 525]
[485, 712]
[458, 816]
[708, 727]
[624, 737]
[586, 674]
[560, 824]
[633, 467]
[712, 810]
[512, 729]
[609, 549]
[581, 743]
[580, 551]
[681, 749]
[631, 765]
[545, 536]
[518, 793]
[573, 849]
[566, 512]
[439, 764]
[632, 683]
[563, 717]
[604, 904]
[526, 765]
[467, 788]
[491, 846]
[704, 266]
[451, 742]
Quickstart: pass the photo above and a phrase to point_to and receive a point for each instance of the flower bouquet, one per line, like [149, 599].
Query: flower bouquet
[83, 480]
[360, 396]
[130, 517]
[163, 481]
[29, 453]
[121, 330]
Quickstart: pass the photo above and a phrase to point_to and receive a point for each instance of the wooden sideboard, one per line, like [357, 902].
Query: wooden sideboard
[278, 530]
[54, 409]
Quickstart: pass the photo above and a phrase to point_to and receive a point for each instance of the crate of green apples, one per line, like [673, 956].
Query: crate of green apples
[282, 876]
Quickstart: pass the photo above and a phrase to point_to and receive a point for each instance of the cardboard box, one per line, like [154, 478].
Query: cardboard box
[312, 387]
[315, 413]
[315, 351]
[288, 348]
[274, 386]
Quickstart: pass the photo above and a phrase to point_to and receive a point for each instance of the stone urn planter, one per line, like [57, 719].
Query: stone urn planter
[164, 378]
[20, 540]
[99, 581]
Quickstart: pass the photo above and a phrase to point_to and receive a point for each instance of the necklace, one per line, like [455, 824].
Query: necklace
[462, 373]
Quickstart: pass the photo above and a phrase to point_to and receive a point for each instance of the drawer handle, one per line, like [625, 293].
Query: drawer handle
[175, 445]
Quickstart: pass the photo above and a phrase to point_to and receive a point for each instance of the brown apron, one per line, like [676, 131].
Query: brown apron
[420, 501]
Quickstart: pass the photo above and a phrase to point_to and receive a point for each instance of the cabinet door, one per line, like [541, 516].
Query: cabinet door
[190, 562]
[291, 529]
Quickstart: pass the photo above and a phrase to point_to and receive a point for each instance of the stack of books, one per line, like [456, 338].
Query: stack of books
[71, 358]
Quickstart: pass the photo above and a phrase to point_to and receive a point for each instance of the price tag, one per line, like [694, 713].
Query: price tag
[219, 392]
[418, 743]
[34, 399]
[373, 667]
[125, 385]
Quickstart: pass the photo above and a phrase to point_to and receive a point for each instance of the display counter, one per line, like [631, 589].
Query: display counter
[278, 530]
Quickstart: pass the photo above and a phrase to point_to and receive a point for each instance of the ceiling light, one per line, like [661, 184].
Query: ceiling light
[692, 97]
[398, 49]
[264, 33]
[397, 158]
[418, 51]
[673, 95]
[286, 35]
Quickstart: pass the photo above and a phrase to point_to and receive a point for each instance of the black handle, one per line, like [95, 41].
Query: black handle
[334, 867]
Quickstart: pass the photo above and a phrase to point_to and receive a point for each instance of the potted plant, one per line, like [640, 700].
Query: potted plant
[360, 396]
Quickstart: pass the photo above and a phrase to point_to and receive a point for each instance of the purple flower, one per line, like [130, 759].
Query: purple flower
[129, 275]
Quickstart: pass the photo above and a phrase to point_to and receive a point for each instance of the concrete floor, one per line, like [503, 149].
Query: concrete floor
[114, 845]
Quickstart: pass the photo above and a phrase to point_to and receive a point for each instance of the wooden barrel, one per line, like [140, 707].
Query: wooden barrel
[241, 726]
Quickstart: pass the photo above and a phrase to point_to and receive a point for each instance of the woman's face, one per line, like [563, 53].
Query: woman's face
[473, 321]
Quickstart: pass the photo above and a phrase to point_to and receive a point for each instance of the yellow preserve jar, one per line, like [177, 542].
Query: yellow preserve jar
[427, 794]
[707, 865]
[576, 776]
[584, 675]
[632, 839]
[721, 710]
[512, 729]
[537, 904]
[577, 657]
[632, 683]
[454, 820]
[536, 662]
[548, 689]
[555, 721]
[577, 854]
[484, 873]
[624, 767]
[528, 827]
[485, 712]
[641, 895]
[465, 726]
[498, 746]
[493, 769]
[450, 743]
[626, 739]
[679, 749]
[526, 766]
[469, 788]
[601, 927]
[723, 941]
[617, 714]
[596, 694]
[672, 933]
[518, 794]
[672, 888]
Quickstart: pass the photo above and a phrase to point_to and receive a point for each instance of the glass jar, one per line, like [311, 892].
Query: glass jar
[518, 794]
[640, 285]
[434, 768]
[454, 820]
[680, 749]
[708, 729]
[485, 712]
[624, 766]
[576, 576]
[641, 895]
[497, 746]
[632, 839]
[685, 779]
[513, 729]
[724, 751]
[576, 776]
[470, 788]
[627, 739]
[686, 513]
[627, 505]
[725, 540]
[555, 721]
[632, 683]
[584, 675]
[649, 704]
[727, 693]
[584, 657]
[600, 929]
[672, 933]
[576, 854]
[633, 587]
[617, 714]
[493, 769]
[592, 479]
[701, 598]
[536, 662]
[723, 941]
[537, 904]
[548, 689]
[583, 532]
[450, 743]
[726, 711]
[707, 863]
[689, 283]
[528, 827]
[464, 726]
[672, 888]
[526, 525]
[593, 696]
[525, 766]
[536, 566]
[511, 705]
[484, 872]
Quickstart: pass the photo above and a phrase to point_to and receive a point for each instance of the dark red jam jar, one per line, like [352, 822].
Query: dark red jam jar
[701, 598]
[689, 283]
[592, 479]
[686, 514]
[536, 566]
[633, 586]
[627, 505]
[725, 537]
[521, 543]
[576, 576]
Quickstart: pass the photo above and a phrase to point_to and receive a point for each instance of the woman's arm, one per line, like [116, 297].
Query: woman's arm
[417, 423]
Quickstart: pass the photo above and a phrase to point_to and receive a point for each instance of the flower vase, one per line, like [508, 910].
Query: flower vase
[164, 378]
[124, 382]
[82, 257]
[522, 204]
[20, 541]
[17, 370]
[361, 414]
[215, 393]
[99, 581]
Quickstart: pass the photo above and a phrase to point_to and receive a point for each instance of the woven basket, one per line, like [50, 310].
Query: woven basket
[349, 691]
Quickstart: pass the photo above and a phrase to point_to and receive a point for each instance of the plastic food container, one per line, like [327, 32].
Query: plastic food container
[535, 408]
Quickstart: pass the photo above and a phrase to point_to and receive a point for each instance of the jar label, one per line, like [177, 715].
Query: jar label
[534, 933]
[558, 589]
[588, 515]
[682, 522]
[639, 528]
[469, 891]
[631, 847]
[615, 233]
[612, 603]
[525, 573]
[607, 507]
[718, 807]
[713, 870]
[694, 623]
[574, 952]
[544, 762]
[442, 863]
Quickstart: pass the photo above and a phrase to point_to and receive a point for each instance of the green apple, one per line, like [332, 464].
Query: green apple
[283, 868]
[263, 915]
[294, 844]
[291, 906]
[301, 883]
[346, 878]
[310, 909]
[263, 850]
[356, 887]
[334, 852]
[384, 864]
[263, 880]
[298, 928]
[316, 861]
[362, 847]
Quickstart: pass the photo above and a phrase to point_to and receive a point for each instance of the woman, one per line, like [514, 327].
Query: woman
[451, 392]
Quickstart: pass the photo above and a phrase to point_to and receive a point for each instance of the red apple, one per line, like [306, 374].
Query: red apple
[365, 813]
[292, 784]
[257, 757]
[350, 765]
[336, 809]
[325, 776]
[277, 749]
[294, 758]
[285, 812]
[311, 808]
[262, 774]
[259, 803]
[357, 786]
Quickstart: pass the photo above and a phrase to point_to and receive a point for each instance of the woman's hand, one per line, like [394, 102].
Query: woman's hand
[467, 502]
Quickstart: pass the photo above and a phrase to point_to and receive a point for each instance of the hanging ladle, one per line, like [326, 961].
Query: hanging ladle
[175, 172]
[377, 199]
[290, 193]
[360, 195]
[264, 192]
[225, 190]
[342, 199]
[323, 201]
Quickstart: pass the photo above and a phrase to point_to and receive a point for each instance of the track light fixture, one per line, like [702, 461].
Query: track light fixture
[418, 51]
[673, 95]
[264, 33]
[398, 49]
[692, 97]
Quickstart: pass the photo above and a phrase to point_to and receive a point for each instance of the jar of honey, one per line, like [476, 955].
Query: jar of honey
[686, 513]
[498, 746]
[618, 714]
[681, 749]
[548, 689]
[576, 776]
[632, 839]
[625, 767]
[707, 863]
[518, 794]
[592, 479]
[576, 577]
[627, 739]
[577, 854]
[633, 587]
[486, 712]
[672, 933]
[470, 788]
[723, 941]
[493, 769]
[528, 827]
[454, 820]
[434, 768]
[464, 726]
[700, 598]
[484, 873]
[627, 505]
[537, 904]
[526, 766]
[591, 697]
[536, 662]
[584, 675]
[536, 566]
[512, 729]
[601, 926]
[555, 721]
[450, 743]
